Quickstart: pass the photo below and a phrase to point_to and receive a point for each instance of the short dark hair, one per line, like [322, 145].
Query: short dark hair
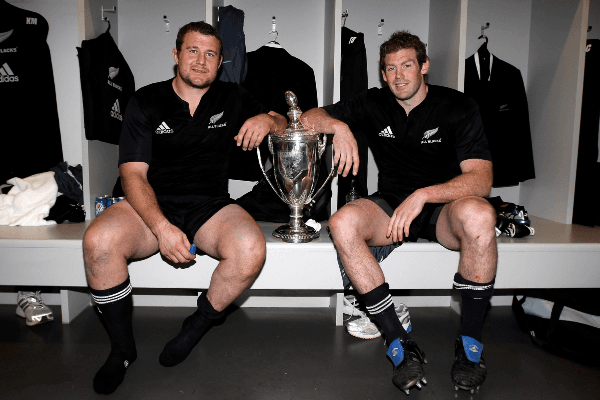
[202, 28]
[403, 40]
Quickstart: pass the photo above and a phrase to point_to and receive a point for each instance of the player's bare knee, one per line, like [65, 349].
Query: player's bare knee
[343, 222]
[476, 217]
[251, 247]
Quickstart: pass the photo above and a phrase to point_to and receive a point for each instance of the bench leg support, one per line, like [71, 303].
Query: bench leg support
[72, 303]
[336, 305]
[455, 301]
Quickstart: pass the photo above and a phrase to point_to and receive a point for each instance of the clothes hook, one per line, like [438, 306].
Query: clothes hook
[166, 20]
[344, 16]
[274, 29]
[379, 30]
[483, 28]
[113, 10]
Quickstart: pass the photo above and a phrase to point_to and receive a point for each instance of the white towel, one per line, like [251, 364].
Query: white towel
[29, 201]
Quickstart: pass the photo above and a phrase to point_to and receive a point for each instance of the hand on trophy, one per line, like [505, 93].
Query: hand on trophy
[256, 128]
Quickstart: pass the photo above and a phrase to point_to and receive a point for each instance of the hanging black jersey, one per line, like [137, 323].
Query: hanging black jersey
[422, 149]
[186, 154]
[107, 84]
[30, 133]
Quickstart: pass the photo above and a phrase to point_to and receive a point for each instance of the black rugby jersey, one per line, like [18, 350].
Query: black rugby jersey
[186, 154]
[422, 149]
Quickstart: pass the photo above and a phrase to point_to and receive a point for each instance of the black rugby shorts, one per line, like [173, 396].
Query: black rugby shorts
[189, 212]
[423, 227]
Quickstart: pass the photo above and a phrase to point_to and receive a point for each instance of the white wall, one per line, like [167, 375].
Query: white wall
[143, 40]
[398, 15]
[554, 87]
[63, 40]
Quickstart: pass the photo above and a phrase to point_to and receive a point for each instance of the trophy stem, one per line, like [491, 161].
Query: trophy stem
[296, 231]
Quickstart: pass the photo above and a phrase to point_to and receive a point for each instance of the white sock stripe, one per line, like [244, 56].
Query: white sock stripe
[113, 297]
[461, 286]
[382, 305]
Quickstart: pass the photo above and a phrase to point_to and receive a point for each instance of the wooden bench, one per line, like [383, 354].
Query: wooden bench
[558, 256]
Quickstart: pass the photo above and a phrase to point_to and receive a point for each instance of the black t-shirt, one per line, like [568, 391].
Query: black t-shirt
[422, 149]
[186, 155]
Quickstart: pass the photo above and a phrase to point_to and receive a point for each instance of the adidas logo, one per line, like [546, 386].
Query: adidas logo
[115, 112]
[7, 75]
[214, 119]
[163, 129]
[387, 132]
[429, 134]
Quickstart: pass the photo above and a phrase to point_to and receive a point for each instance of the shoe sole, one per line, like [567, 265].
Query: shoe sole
[365, 337]
[45, 318]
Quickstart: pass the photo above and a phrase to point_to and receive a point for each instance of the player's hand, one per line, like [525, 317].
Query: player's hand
[404, 215]
[345, 152]
[174, 244]
[253, 131]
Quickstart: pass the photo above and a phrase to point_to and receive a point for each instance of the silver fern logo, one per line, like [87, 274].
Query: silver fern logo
[112, 72]
[216, 117]
[428, 134]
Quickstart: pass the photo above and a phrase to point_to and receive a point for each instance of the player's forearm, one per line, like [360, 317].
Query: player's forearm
[142, 198]
[474, 183]
[278, 124]
[318, 120]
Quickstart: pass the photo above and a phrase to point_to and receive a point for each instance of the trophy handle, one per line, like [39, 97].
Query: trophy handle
[263, 170]
[310, 202]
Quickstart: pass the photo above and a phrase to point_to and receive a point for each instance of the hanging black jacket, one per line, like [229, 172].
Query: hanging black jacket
[231, 29]
[107, 84]
[30, 133]
[503, 105]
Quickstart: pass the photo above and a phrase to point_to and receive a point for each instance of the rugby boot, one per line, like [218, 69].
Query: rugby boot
[468, 371]
[408, 360]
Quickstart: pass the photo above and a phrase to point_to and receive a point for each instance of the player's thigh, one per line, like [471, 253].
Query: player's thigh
[230, 231]
[364, 218]
[121, 230]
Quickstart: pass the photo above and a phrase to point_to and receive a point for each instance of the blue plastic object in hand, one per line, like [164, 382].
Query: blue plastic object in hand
[193, 249]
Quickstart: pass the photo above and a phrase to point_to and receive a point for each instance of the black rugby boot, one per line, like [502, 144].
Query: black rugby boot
[468, 371]
[408, 360]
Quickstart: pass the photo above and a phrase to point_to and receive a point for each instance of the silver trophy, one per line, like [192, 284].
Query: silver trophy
[296, 155]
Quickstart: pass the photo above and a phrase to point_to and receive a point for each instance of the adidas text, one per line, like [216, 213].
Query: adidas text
[7, 75]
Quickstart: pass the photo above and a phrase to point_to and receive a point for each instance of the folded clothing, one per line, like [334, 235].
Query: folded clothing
[29, 201]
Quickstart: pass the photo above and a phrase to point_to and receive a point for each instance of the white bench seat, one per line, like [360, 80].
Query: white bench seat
[557, 256]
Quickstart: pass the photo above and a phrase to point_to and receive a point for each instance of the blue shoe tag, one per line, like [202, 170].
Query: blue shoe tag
[472, 348]
[396, 352]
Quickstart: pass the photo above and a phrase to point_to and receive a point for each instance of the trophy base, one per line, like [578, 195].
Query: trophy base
[302, 234]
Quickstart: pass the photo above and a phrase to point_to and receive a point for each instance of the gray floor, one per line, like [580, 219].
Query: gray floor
[275, 354]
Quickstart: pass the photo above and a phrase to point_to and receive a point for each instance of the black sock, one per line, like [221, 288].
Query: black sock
[115, 308]
[381, 307]
[194, 327]
[475, 301]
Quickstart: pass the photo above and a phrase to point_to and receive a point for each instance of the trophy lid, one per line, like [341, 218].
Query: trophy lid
[295, 127]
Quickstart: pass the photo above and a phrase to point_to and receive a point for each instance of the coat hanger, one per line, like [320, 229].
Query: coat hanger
[344, 16]
[483, 49]
[274, 43]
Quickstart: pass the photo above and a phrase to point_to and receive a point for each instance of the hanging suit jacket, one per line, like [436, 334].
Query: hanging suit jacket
[30, 136]
[107, 84]
[231, 29]
[503, 105]
[585, 205]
